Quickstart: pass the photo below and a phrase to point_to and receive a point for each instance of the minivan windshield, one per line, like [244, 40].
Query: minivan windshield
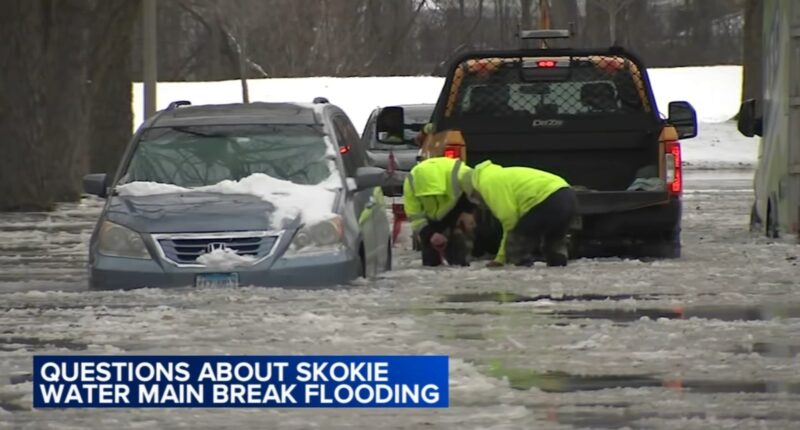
[196, 156]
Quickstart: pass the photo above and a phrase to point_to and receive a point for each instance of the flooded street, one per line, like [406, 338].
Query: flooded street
[710, 340]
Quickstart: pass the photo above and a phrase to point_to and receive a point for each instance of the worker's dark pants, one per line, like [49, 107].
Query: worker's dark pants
[544, 229]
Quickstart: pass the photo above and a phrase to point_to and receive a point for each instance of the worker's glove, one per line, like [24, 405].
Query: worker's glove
[439, 241]
[494, 263]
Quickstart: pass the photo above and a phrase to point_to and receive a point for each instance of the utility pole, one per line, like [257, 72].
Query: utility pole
[149, 56]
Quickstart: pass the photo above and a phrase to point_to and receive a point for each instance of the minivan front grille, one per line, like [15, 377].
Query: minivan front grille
[184, 248]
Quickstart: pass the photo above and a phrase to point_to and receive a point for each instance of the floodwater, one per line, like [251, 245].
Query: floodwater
[706, 341]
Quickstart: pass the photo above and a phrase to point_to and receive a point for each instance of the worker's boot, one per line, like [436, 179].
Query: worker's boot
[518, 250]
[556, 253]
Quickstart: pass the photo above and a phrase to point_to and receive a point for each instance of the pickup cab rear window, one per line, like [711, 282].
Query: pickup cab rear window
[509, 87]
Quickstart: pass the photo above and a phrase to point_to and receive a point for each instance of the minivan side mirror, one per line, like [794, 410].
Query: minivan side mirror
[683, 117]
[390, 122]
[96, 184]
[369, 177]
[747, 123]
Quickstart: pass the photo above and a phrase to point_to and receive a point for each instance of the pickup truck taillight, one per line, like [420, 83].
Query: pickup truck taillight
[453, 151]
[672, 164]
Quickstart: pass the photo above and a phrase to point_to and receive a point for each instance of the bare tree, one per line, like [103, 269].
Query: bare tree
[544, 15]
[612, 8]
[526, 21]
[110, 81]
[43, 117]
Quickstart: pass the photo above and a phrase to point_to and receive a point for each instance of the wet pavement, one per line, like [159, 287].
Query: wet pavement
[706, 341]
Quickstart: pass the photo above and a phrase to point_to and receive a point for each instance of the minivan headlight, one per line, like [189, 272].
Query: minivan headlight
[115, 240]
[324, 236]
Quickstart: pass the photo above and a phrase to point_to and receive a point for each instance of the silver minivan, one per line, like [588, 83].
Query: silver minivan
[266, 194]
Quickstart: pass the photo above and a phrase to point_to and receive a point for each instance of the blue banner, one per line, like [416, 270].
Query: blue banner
[82, 381]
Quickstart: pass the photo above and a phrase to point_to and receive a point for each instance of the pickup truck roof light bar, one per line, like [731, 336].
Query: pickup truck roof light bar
[544, 34]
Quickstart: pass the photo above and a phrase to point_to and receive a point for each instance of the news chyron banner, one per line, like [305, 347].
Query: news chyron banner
[240, 381]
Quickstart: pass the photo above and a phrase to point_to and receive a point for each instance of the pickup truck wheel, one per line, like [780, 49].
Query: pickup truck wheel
[388, 266]
[773, 232]
[663, 248]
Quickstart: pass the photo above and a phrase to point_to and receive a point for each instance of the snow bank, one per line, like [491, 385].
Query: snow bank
[225, 259]
[357, 96]
[720, 146]
[313, 203]
[714, 91]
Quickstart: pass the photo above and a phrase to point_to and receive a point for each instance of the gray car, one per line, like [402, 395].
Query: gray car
[262, 194]
[402, 149]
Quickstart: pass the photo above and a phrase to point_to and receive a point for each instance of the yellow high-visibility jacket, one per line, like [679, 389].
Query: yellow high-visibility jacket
[432, 189]
[510, 192]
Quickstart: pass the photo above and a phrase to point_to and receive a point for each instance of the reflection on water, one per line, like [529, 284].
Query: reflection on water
[770, 349]
[722, 313]
[561, 382]
[717, 312]
[508, 297]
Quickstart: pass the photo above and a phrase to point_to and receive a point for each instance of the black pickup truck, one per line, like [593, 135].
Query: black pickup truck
[588, 115]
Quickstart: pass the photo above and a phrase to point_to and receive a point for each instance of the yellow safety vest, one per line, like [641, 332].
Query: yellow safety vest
[432, 189]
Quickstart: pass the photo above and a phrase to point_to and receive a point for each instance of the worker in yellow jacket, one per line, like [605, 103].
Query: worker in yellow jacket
[440, 214]
[534, 207]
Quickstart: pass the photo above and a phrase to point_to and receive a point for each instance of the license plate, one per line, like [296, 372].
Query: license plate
[217, 280]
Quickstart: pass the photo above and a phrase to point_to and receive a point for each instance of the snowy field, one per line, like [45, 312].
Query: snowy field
[713, 91]
[706, 341]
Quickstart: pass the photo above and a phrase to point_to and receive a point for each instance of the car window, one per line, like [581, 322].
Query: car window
[196, 156]
[368, 135]
[354, 155]
[414, 120]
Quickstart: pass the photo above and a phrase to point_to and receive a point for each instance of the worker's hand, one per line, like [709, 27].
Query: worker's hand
[466, 222]
[439, 241]
[494, 263]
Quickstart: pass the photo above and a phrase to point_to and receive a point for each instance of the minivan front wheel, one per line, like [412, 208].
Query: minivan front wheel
[388, 265]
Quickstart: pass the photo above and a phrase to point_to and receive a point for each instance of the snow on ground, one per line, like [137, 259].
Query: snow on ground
[720, 146]
[714, 91]
[705, 341]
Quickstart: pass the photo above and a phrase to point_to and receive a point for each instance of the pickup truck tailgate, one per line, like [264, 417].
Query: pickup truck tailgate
[600, 202]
